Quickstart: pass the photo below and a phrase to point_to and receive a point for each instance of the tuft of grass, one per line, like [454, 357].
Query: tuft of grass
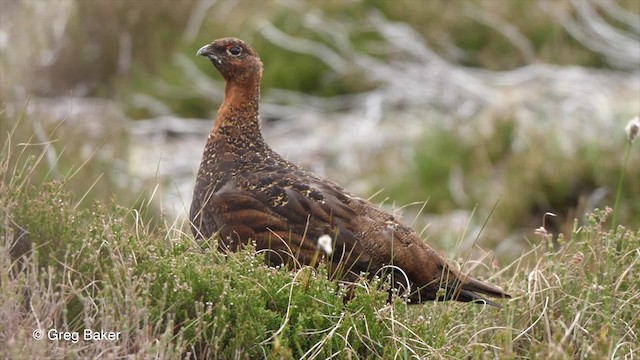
[632, 133]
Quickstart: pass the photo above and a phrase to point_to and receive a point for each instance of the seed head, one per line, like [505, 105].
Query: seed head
[632, 128]
[324, 244]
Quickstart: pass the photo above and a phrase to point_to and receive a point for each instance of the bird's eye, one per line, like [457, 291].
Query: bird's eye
[234, 51]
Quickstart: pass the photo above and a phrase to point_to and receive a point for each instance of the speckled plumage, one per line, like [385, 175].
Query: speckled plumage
[246, 192]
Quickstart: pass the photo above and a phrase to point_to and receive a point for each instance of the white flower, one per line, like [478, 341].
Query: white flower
[632, 128]
[324, 244]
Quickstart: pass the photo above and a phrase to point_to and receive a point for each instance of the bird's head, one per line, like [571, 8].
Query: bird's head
[235, 60]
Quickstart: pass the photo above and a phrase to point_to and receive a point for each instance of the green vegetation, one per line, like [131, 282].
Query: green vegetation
[104, 268]
[88, 163]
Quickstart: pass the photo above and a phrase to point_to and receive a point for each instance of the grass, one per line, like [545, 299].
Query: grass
[103, 267]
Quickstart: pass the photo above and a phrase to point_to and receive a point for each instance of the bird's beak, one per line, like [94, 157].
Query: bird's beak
[204, 51]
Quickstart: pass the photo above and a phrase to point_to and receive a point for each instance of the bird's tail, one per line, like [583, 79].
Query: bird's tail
[473, 289]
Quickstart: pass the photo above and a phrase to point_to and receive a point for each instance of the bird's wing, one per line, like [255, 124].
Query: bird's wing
[288, 213]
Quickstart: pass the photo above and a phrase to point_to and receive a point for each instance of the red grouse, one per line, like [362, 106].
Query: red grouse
[246, 192]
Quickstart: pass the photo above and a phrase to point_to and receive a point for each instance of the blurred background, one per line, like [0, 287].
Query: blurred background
[470, 119]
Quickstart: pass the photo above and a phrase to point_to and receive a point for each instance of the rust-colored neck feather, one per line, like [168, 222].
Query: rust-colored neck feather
[238, 114]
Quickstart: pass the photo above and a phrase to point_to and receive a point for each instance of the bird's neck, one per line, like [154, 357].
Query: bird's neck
[237, 117]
